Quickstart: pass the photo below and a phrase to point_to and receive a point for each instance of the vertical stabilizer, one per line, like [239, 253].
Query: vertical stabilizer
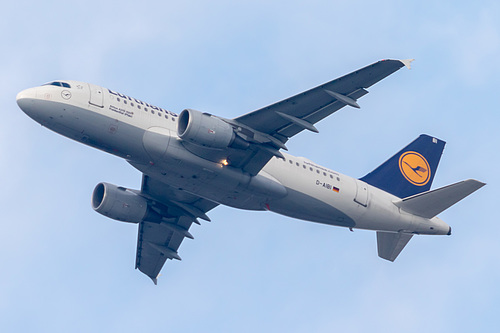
[411, 170]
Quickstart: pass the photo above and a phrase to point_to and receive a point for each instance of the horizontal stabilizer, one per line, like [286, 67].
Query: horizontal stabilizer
[431, 203]
[390, 244]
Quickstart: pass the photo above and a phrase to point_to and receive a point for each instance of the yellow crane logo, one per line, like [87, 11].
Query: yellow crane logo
[415, 168]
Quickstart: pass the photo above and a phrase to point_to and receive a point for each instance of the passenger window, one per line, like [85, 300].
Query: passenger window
[310, 168]
[317, 171]
[291, 162]
[152, 112]
[139, 107]
[297, 163]
[132, 104]
[124, 101]
[324, 173]
[166, 117]
[304, 167]
[118, 99]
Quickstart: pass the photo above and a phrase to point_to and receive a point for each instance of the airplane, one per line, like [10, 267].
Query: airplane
[194, 161]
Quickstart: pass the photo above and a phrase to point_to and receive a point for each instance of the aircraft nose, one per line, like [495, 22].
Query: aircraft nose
[26, 98]
[26, 94]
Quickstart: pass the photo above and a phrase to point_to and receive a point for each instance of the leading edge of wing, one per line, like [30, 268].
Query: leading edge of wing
[286, 118]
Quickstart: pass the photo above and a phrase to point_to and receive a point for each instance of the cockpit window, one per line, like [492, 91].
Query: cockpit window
[58, 84]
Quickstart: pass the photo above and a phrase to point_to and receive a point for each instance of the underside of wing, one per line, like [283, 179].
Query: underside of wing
[159, 241]
[250, 141]
[286, 118]
[269, 128]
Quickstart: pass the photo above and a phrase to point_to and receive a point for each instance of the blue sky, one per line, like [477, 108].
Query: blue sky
[66, 268]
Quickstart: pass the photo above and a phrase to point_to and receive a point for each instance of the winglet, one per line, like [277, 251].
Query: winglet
[407, 62]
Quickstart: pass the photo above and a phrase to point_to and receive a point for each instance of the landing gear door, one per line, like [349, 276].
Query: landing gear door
[361, 193]
[96, 95]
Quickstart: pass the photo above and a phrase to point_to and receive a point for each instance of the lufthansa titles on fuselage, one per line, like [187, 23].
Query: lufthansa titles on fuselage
[139, 102]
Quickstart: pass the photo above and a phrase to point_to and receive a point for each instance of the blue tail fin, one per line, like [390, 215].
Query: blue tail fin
[411, 170]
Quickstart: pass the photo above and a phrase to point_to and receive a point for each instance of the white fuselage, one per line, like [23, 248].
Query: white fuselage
[146, 136]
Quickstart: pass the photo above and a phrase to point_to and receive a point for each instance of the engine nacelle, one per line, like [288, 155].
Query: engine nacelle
[122, 204]
[204, 129]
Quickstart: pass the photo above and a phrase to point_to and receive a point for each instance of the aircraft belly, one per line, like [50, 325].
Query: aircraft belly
[183, 170]
[155, 141]
[382, 215]
[159, 153]
[300, 205]
[93, 129]
[334, 200]
[111, 135]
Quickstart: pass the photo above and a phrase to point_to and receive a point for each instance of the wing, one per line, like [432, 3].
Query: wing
[270, 128]
[286, 118]
[157, 242]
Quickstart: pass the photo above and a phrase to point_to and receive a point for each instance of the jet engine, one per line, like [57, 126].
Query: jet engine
[122, 204]
[205, 130]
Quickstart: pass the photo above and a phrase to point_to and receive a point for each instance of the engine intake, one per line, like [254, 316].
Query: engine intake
[122, 204]
[204, 129]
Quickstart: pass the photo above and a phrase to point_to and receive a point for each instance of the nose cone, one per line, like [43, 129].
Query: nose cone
[25, 99]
